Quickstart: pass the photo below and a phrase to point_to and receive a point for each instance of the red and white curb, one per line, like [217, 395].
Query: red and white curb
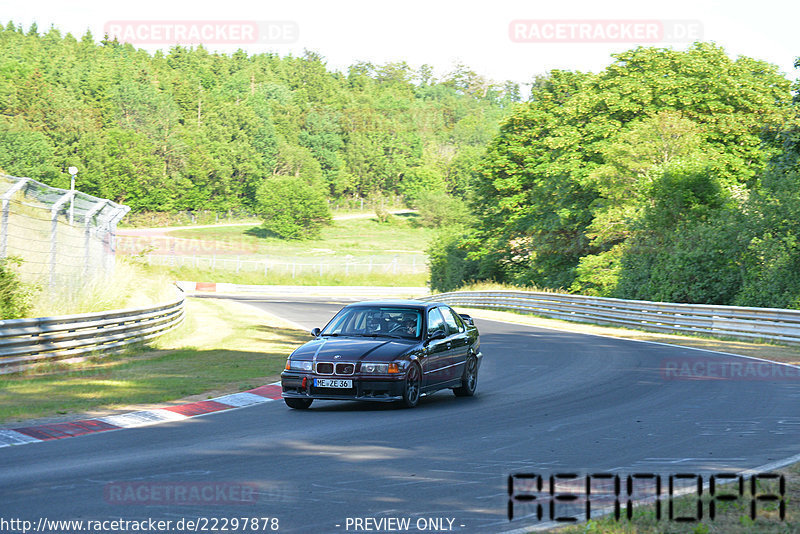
[35, 434]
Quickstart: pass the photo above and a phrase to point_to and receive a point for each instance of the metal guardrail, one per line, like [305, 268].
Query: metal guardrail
[771, 324]
[24, 342]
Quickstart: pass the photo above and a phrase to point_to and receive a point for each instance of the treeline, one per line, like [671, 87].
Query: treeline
[190, 129]
[670, 175]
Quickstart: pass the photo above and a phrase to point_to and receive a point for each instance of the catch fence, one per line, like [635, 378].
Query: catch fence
[63, 237]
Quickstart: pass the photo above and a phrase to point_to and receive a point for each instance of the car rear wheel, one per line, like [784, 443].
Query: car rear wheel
[469, 381]
[298, 404]
[412, 386]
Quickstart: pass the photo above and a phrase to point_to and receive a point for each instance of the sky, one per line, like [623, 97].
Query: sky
[480, 35]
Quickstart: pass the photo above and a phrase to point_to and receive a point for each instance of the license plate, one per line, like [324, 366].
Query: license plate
[332, 383]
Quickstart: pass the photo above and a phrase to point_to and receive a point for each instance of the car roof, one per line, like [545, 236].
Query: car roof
[405, 303]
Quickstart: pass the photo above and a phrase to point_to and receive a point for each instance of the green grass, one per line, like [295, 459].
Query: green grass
[223, 347]
[349, 252]
[131, 285]
[402, 234]
[303, 279]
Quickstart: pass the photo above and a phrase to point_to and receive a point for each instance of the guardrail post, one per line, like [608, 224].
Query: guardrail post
[6, 207]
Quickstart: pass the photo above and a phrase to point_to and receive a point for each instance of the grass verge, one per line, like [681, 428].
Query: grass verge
[349, 252]
[401, 234]
[223, 347]
[733, 517]
[130, 286]
[302, 279]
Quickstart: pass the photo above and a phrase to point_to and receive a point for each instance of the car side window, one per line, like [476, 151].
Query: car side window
[435, 321]
[452, 322]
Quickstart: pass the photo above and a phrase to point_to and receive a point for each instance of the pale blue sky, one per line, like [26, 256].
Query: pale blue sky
[442, 33]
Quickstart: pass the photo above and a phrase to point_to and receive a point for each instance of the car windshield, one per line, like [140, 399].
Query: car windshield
[376, 321]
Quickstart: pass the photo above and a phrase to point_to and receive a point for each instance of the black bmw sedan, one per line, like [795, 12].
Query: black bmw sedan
[387, 351]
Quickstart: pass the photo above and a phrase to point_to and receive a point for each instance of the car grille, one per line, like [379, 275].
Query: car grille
[328, 368]
[324, 368]
[345, 368]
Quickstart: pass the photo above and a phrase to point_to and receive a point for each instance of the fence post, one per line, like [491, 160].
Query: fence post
[54, 233]
[87, 231]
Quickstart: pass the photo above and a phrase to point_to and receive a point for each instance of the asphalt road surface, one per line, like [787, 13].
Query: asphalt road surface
[547, 402]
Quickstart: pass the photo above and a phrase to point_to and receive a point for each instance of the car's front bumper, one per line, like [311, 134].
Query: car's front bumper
[379, 389]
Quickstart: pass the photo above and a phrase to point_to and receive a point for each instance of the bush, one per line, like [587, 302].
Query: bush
[598, 274]
[448, 262]
[772, 276]
[291, 208]
[420, 180]
[438, 209]
[15, 297]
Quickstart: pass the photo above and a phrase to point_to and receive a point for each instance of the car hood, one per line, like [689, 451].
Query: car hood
[353, 349]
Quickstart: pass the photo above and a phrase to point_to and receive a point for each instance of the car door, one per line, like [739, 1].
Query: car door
[437, 351]
[458, 341]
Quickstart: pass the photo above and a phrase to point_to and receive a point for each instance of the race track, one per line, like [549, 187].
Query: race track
[547, 401]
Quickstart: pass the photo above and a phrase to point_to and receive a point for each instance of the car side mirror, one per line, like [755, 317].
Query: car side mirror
[316, 332]
[438, 334]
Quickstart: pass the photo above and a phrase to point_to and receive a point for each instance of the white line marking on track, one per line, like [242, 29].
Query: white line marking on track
[12, 437]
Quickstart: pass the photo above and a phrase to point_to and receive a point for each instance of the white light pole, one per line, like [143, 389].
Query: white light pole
[72, 172]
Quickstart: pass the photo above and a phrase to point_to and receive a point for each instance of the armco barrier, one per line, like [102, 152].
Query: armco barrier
[771, 324]
[24, 342]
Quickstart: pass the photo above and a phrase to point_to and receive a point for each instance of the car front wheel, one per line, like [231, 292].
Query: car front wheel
[412, 386]
[469, 381]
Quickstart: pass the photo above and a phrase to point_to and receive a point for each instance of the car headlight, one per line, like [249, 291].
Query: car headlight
[298, 365]
[379, 368]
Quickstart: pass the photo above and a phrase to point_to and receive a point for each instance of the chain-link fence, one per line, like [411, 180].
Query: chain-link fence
[64, 237]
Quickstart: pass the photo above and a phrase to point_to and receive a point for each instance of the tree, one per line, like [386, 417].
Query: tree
[26, 153]
[291, 208]
[568, 174]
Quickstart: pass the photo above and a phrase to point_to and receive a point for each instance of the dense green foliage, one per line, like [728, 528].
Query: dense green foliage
[668, 176]
[15, 296]
[190, 129]
[292, 208]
